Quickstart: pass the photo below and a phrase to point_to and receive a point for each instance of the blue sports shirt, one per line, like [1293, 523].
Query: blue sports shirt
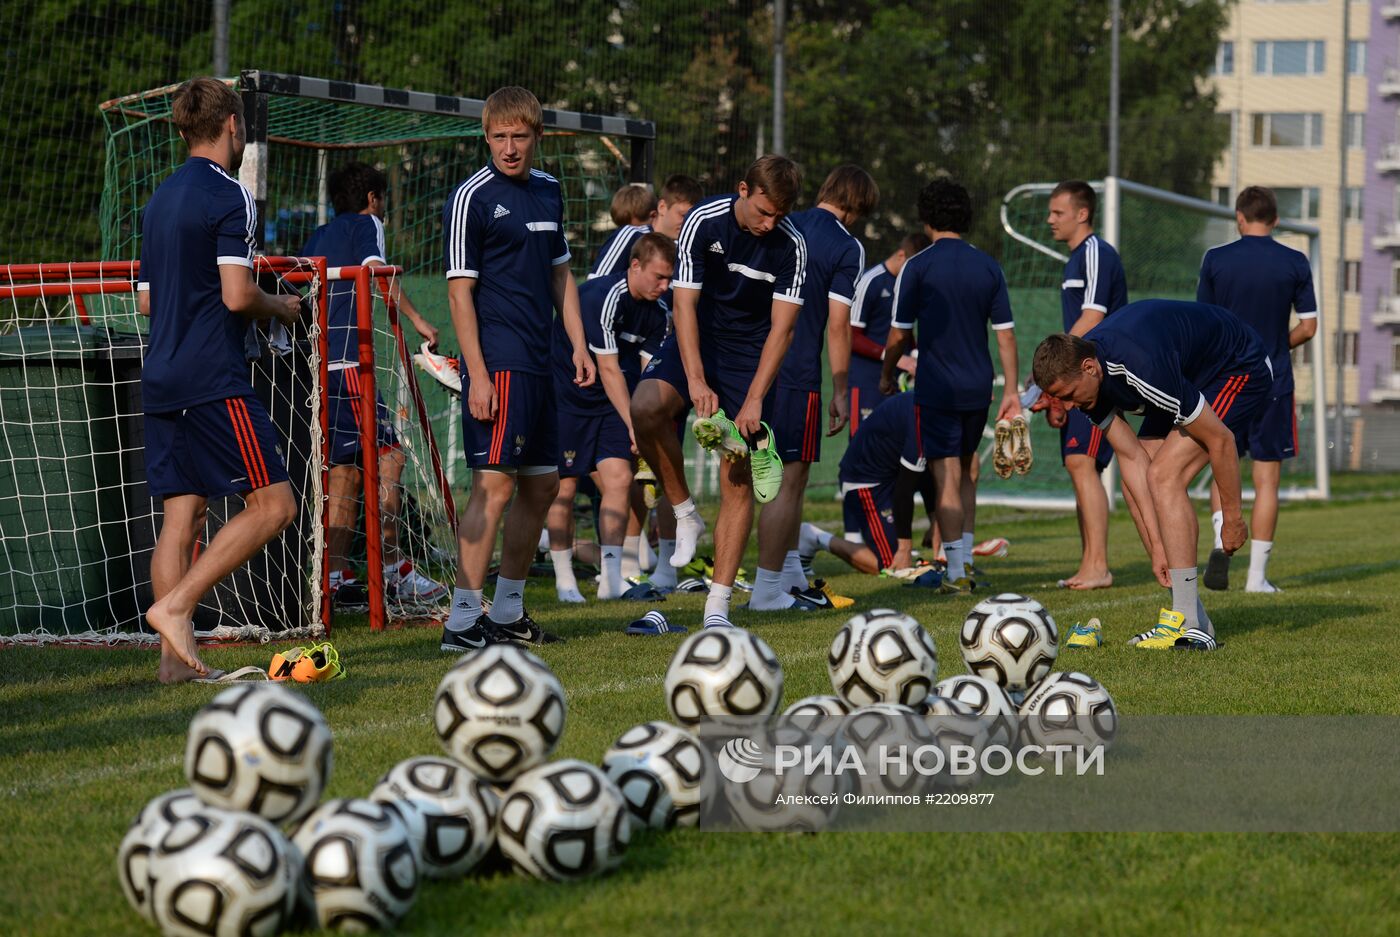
[834, 262]
[614, 323]
[1094, 279]
[885, 440]
[612, 257]
[346, 240]
[871, 312]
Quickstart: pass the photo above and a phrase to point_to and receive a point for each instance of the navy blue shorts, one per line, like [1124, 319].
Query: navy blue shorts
[1079, 436]
[865, 396]
[525, 431]
[944, 434]
[585, 440]
[215, 449]
[797, 424]
[871, 512]
[1156, 424]
[730, 383]
[1273, 436]
[1238, 398]
[343, 418]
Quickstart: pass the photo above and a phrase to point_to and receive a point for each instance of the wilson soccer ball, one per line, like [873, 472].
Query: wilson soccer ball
[719, 672]
[450, 813]
[663, 772]
[500, 711]
[564, 821]
[817, 713]
[961, 735]
[1011, 640]
[1069, 708]
[359, 871]
[755, 795]
[260, 748]
[886, 738]
[986, 700]
[222, 872]
[134, 853]
[882, 656]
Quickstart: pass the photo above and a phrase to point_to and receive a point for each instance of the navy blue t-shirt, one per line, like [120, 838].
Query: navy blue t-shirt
[613, 256]
[949, 292]
[508, 235]
[199, 219]
[346, 240]
[738, 276]
[871, 312]
[834, 262]
[614, 323]
[1160, 353]
[1094, 279]
[885, 440]
[1261, 281]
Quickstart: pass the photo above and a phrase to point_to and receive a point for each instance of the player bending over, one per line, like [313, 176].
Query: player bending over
[1262, 282]
[507, 271]
[207, 434]
[1200, 376]
[355, 236]
[624, 321]
[738, 290]
[951, 292]
[633, 210]
[870, 326]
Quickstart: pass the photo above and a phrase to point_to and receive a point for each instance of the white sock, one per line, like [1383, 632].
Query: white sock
[768, 593]
[544, 541]
[610, 586]
[689, 529]
[1217, 521]
[393, 572]
[1259, 551]
[631, 563]
[565, 583]
[664, 575]
[823, 537]
[466, 609]
[508, 604]
[793, 576]
[954, 552]
[967, 546]
[717, 602]
[646, 556]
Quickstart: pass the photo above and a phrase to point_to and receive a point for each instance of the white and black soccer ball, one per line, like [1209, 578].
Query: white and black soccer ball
[359, 872]
[500, 711]
[134, 853]
[987, 700]
[1069, 708]
[450, 813]
[1011, 640]
[564, 821]
[261, 748]
[888, 739]
[720, 672]
[224, 873]
[760, 798]
[961, 734]
[882, 656]
[664, 773]
[817, 713]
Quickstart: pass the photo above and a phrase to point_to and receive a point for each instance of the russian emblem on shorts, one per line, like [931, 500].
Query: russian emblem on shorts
[569, 456]
[519, 444]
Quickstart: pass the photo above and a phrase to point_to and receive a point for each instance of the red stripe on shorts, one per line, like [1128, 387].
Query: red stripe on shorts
[1244, 379]
[254, 445]
[877, 529]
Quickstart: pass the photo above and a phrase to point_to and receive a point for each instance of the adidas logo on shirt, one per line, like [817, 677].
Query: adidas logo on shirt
[884, 294]
[501, 211]
[716, 247]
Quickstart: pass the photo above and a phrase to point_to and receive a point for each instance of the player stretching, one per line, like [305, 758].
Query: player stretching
[625, 323]
[1198, 368]
[835, 260]
[870, 326]
[633, 210]
[356, 236]
[207, 433]
[1262, 282]
[738, 290]
[952, 291]
[507, 270]
[1094, 287]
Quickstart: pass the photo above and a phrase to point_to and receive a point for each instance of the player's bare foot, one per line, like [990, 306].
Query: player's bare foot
[177, 634]
[1086, 581]
[174, 671]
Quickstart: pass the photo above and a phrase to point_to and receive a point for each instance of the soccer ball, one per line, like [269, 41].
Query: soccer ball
[817, 713]
[259, 747]
[1070, 709]
[450, 813]
[359, 869]
[720, 672]
[222, 872]
[767, 801]
[134, 853]
[500, 711]
[961, 734]
[882, 656]
[1011, 640]
[986, 700]
[564, 821]
[663, 772]
[886, 738]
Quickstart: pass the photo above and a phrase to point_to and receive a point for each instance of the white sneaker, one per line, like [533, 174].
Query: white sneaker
[441, 368]
[689, 530]
[569, 595]
[414, 586]
[1265, 587]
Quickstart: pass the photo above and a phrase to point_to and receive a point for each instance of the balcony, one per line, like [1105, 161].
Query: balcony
[1387, 236]
[1391, 11]
[1389, 86]
[1387, 311]
[1389, 158]
[1387, 389]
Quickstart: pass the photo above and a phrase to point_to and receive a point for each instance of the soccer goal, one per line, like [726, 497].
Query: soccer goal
[77, 522]
[1161, 236]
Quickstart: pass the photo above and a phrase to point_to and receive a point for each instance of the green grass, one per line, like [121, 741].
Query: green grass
[88, 737]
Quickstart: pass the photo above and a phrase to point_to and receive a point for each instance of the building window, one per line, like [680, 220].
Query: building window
[1298, 204]
[1307, 57]
[1353, 206]
[1356, 57]
[1224, 59]
[1345, 354]
[1302, 354]
[1351, 274]
[1220, 195]
[1286, 130]
[1356, 131]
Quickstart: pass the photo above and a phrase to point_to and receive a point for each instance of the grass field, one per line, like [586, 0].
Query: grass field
[88, 737]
